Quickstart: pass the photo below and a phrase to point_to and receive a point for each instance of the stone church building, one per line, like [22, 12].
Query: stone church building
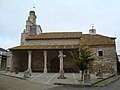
[50, 52]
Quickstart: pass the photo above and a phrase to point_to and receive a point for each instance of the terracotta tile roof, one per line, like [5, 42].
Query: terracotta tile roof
[56, 35]
[44, 47]
[85, 39]
[96, 39]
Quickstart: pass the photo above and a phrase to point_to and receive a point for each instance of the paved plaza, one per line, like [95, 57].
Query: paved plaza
[12, 83]
[52, 78]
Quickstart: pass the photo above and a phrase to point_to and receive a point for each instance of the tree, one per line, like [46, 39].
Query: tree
[83, 57]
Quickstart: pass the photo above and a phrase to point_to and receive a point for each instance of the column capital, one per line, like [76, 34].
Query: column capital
[29, 51]
[45, 53]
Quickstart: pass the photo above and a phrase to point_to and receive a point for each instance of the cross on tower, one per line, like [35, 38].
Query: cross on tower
[33, 6]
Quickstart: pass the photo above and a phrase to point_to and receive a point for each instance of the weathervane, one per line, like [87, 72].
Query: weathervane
[33, 6]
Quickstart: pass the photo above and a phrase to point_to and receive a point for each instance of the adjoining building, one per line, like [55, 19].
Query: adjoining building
[3, 59]
[50, 52]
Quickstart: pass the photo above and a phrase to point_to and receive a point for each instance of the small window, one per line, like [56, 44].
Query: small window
[100, 53]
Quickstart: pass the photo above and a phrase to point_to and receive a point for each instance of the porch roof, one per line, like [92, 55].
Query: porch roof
[24, 47]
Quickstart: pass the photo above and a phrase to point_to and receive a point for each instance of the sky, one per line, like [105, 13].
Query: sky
[59, 16]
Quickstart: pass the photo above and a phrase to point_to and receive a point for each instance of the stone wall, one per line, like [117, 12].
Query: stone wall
[107, 62]
[54, 42]
[69, 63]
[37, 60]
[20, 60]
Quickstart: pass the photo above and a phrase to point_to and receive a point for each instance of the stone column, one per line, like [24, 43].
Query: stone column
[45, 61]
[61, 65]
[29, 62]
[9, 61]
[0, 61]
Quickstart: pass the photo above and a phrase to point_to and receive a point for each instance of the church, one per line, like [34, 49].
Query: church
[50, 52]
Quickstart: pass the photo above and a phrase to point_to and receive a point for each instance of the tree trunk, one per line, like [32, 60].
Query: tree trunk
[82, 75]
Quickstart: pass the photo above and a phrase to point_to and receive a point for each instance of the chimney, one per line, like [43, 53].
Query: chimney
[92, 31]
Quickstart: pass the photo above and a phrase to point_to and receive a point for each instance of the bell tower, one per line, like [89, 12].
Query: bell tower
[32, 17]
[31, 23]
[31, 28]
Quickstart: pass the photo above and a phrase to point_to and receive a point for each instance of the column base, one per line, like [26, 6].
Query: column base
[45, 70]
[61, 75]
[27, 73]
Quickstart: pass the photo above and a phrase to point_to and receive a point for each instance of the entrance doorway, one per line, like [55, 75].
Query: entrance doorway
[3, 63]
[55, 65]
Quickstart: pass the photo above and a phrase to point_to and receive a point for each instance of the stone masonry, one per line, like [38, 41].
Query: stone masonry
[45, 48]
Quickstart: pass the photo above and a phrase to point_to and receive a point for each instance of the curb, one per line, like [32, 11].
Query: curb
[95, 84]
[79, 85]
[13, 76]
[102, 80]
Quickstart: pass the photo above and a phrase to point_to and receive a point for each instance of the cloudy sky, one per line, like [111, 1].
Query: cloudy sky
[59, 16]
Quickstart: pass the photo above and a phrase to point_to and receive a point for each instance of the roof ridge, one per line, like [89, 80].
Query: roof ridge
[60, 32]
[100, 35]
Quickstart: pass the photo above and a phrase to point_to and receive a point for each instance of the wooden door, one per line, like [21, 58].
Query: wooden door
[55, 65]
